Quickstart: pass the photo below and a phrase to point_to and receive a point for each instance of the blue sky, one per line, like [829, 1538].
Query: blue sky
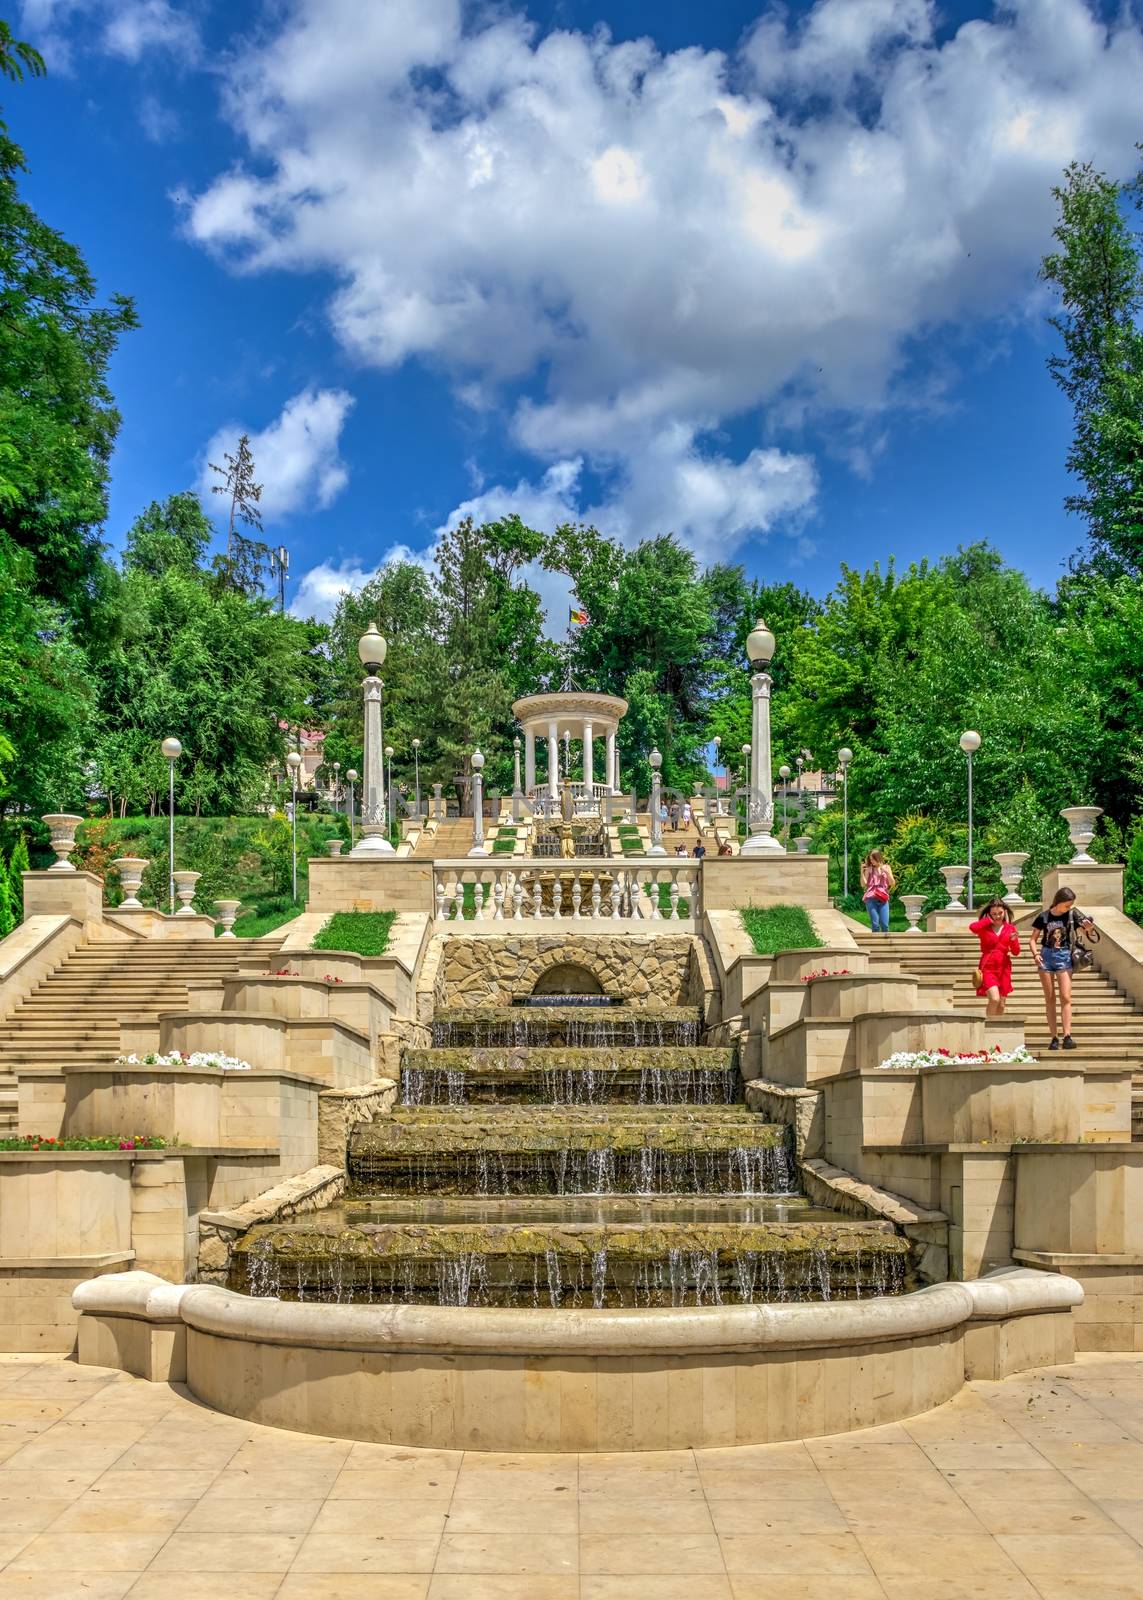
[763, 276]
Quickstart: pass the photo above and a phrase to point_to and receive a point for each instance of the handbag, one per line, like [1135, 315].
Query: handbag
[1083, 957]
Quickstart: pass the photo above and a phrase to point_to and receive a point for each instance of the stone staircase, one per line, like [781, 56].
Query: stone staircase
[73, 1015]
[1108, 1026]
[452, 838]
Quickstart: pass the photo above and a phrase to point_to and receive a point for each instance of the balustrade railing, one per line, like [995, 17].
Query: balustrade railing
[578, 890]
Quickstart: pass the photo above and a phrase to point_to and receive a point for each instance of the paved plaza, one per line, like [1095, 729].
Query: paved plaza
[110, 1486]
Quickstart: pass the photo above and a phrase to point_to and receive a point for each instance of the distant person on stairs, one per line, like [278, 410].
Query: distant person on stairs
[876, 881]
[999, 942]
[1053, 936]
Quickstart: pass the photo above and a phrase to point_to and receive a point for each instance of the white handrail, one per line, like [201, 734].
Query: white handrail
[575, 889]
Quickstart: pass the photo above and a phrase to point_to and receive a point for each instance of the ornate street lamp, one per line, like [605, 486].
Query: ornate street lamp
[799, 762]
[784, 774]
[336, 784]
[294, 761]
[371, 648]
[172, 750]
[717, 743]
[970, 744]
[657, 848]
[478, 845]
[351, 779]
[761, 841]
[391, 807]
[844, 757]
[417, 765]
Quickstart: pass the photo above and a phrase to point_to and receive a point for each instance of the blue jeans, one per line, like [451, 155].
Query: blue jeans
[878, 914]
[1056, 960]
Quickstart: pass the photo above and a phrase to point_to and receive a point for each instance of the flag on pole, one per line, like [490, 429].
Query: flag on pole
[577, 617]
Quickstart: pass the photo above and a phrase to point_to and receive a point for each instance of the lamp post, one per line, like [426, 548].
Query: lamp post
[417, 766]
[655, 761]
[294, 761]
[567, 754]
[970, 744]
[371, 648]
[336, 783]
[390, 807]
[761, 840]
[351, 779]
[784, 774]
[517, 791]
[717, 742]
[478, 846]
[172, 749]
[844, 757]
[799, 762]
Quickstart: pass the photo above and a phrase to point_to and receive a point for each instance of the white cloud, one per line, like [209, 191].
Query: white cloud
[322, 586]
[128, 29]
[660, 243]
[296, 458]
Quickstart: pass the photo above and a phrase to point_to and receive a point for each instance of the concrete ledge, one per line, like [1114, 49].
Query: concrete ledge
[139, 1328]
[472, 1378]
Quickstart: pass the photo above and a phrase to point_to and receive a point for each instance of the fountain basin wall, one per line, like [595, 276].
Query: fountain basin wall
[531, 1381]
[663, 969]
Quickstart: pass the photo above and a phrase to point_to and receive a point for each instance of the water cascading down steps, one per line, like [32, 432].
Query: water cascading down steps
[570, 1156]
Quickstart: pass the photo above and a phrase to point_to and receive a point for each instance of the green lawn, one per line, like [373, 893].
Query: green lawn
[366, 933]
[775, 928]
[265, 917]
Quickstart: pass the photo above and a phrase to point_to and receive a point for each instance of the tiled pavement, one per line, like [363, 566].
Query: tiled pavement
[112, 1487]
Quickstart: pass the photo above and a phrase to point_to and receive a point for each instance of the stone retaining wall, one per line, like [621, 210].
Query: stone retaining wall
[658, 969]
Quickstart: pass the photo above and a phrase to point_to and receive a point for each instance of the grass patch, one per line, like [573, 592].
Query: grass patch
[264, 917]
[665, 898]
[775, 928]
[503, 847]
[365, 933]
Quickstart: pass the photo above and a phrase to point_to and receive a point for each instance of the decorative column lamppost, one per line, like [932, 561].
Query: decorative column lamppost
[294, 761]
[478, 846]
[784, 774]
[760, 649]
[745, 783]
[417, 769]
[717, 743]
[172, 750]
[970, 744]
[567, 754]
[351, 779]
[371, 648]
[517, 791]
[655, 761]
[390, 806]
[336, 786]
[799, 762]
[844, 757]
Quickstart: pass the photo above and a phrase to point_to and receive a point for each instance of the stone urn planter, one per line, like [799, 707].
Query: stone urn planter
[1081, 831]
[227, 913]
[334, 846]
[130, 870]
[802, 844]
[912, 904]
[954, 882]
[62, 825]
[184, 888]
[1011, 864]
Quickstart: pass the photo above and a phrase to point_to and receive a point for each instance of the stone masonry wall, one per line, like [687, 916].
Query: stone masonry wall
[652, 969]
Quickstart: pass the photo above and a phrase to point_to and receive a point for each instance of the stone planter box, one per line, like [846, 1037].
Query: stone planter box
[359, 1004]
[317, 1047]
[173, 1103]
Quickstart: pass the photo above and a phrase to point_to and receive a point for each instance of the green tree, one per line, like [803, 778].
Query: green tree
[246, 558]
[172, 535]
[1098, 271]
[17, 866]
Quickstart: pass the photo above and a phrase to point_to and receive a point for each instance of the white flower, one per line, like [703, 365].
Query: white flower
[911, 1060]
[177, 1058]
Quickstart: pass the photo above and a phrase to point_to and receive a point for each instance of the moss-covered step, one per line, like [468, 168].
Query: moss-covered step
[671, 1076]
[584, 1027]
[550, 1264]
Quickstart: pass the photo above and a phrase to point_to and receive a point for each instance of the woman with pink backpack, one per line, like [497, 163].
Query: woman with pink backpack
[876, 882]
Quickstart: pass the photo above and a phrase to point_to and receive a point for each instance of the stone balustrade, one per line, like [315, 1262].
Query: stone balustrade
[576, 889]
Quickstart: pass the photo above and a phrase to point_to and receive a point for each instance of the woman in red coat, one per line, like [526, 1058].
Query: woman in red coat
[998, 944]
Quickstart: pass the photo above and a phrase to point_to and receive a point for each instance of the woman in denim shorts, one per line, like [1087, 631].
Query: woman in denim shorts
[1052, 935]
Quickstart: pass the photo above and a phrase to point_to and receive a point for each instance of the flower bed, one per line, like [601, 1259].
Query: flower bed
[909, 1059]
[827, 972]
[106, 1141]
[179, 1058]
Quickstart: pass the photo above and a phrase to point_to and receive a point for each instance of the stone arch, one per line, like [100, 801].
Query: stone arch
[567, 977]
[570, 954]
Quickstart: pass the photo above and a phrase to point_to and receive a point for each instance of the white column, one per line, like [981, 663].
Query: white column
[529, 760]
[589, 757]
[373, 841]
[611, 778]
[761, 840]
[553, 760]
